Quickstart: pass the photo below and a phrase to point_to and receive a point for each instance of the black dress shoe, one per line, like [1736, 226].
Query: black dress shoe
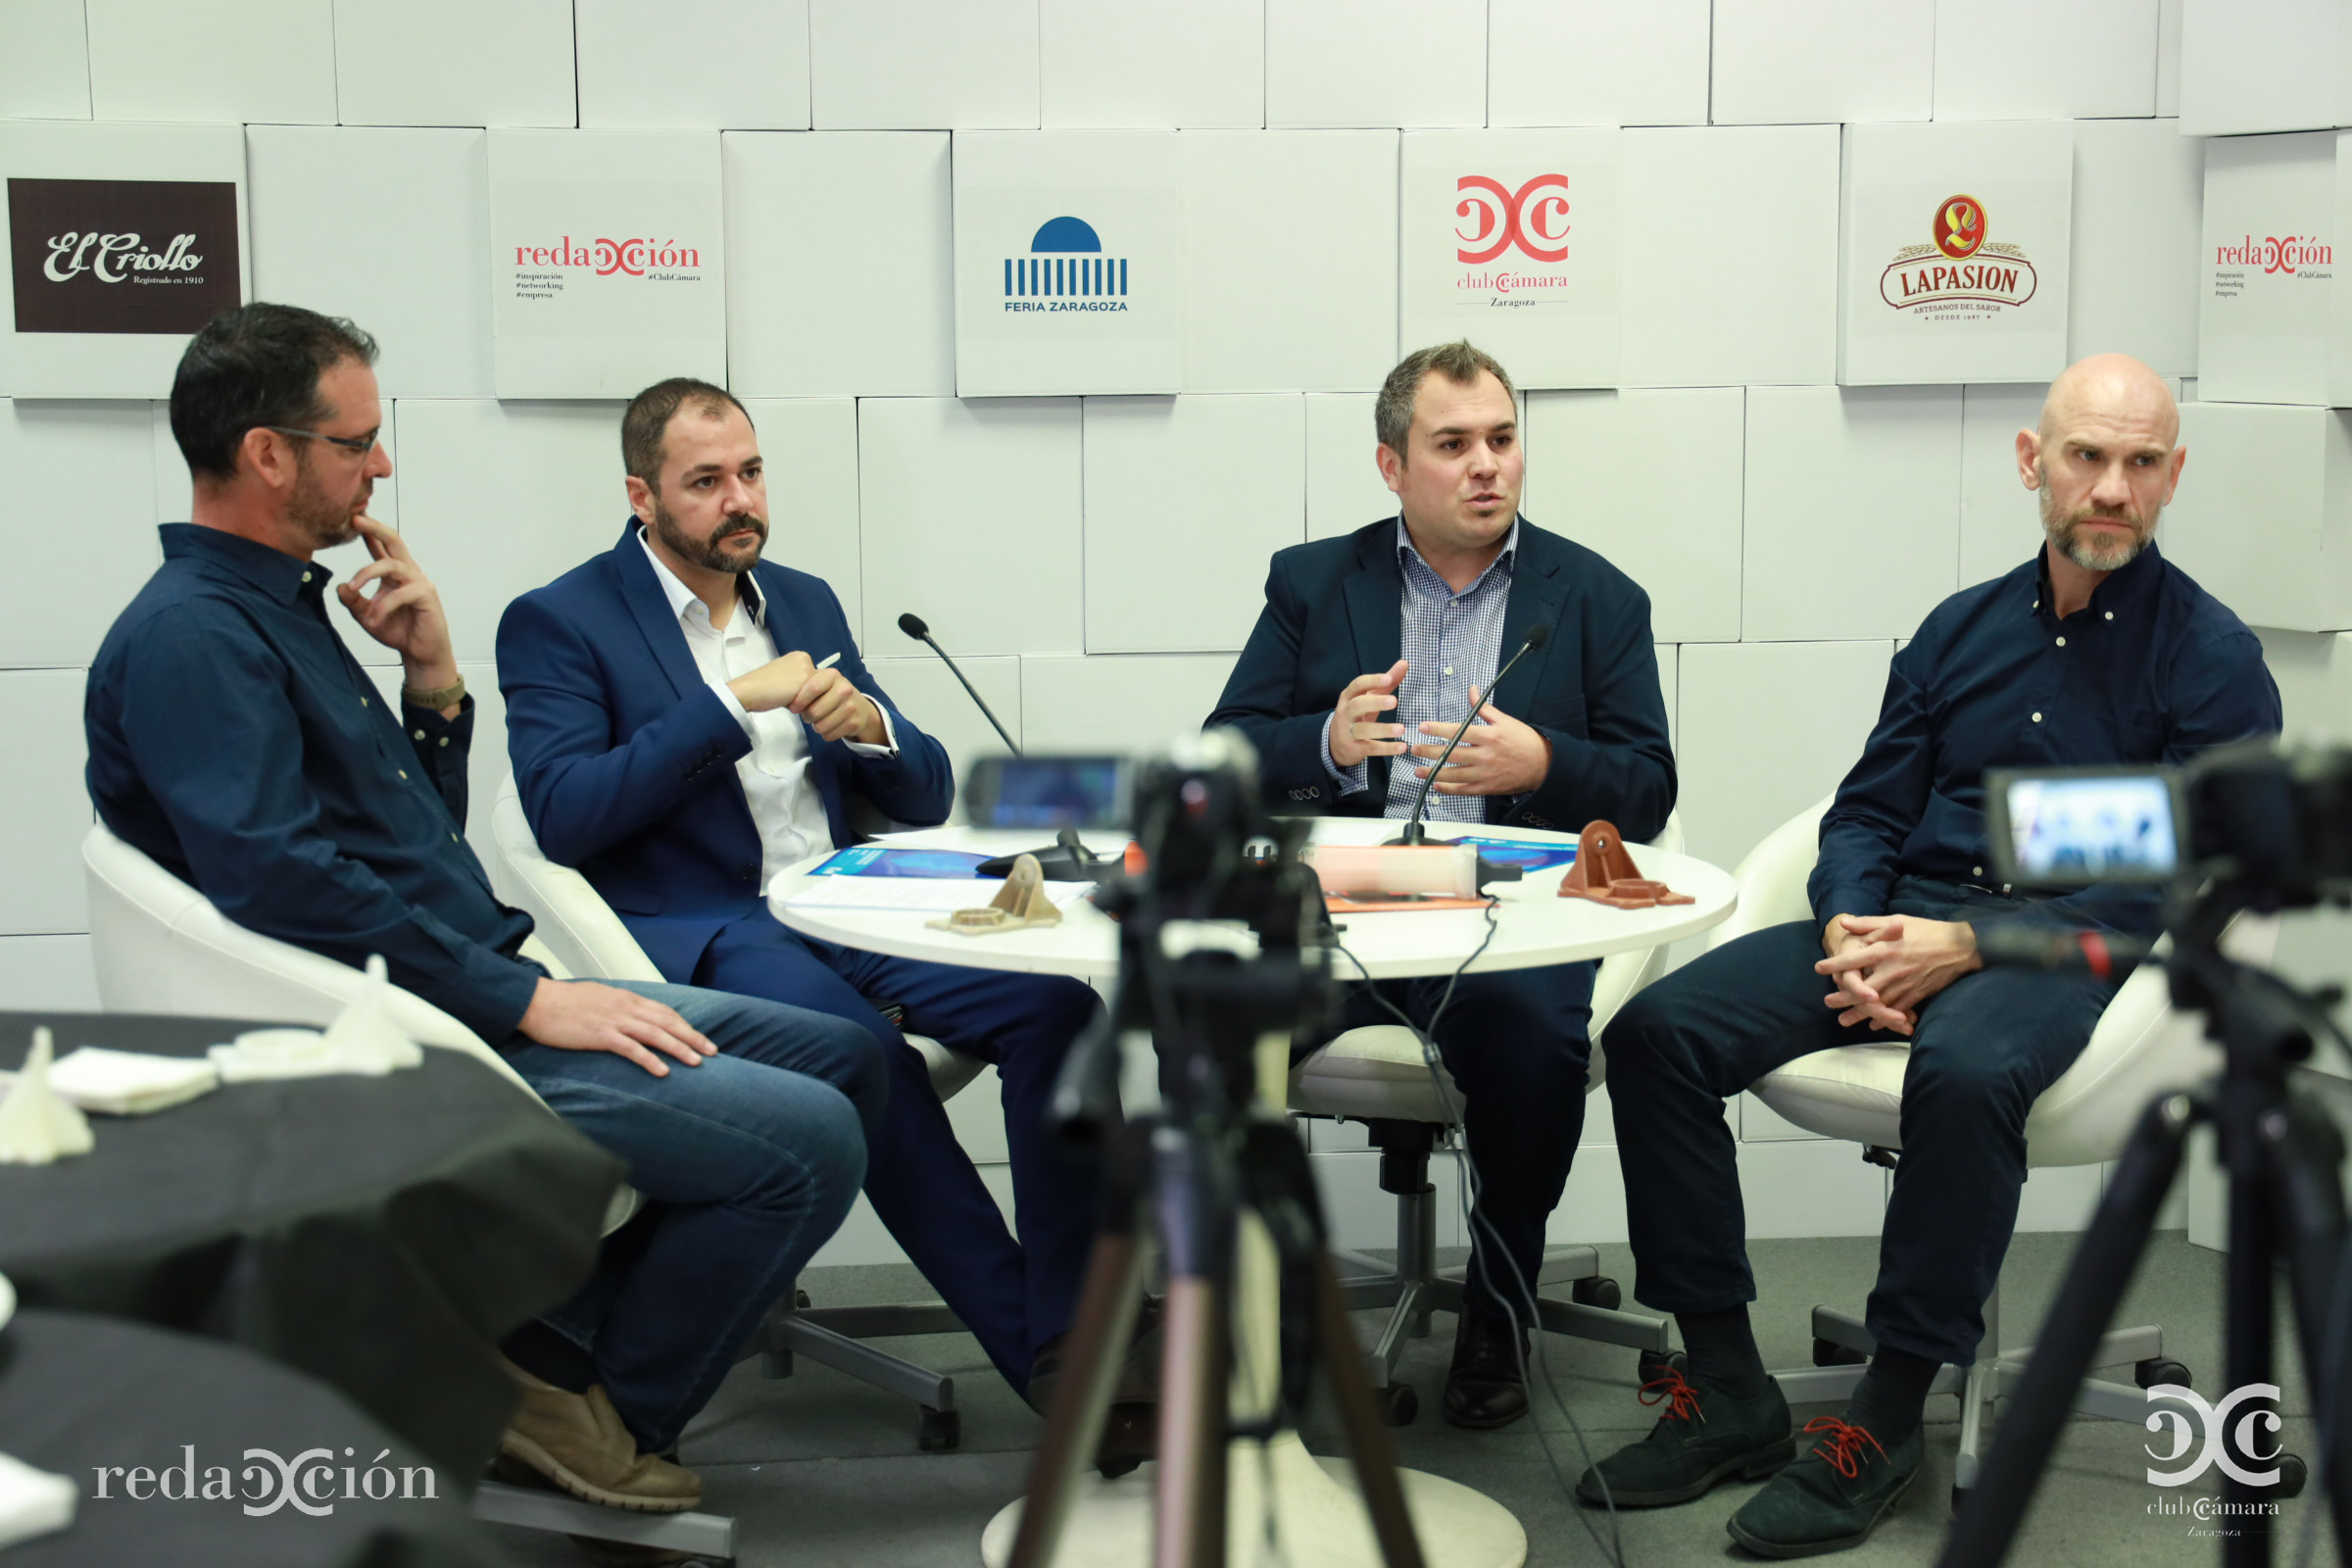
[1487, 1386]
[1131, 1424]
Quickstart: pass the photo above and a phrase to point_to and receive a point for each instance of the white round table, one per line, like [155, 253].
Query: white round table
[1315, 1512]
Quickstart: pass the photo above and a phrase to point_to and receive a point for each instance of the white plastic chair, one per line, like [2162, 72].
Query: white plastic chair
[1377, 1075]
[2140, 1048]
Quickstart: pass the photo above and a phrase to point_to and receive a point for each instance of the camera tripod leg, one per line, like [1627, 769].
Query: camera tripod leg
[2087, 1301]
[2306, 1158]
[1196, 1202]
[1106, 1308]
[1368, 1446]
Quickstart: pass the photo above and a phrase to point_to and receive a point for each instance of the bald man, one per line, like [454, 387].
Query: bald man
[2096, 651]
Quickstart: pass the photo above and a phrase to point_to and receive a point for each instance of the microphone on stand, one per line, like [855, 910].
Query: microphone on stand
[1415, 830]
[1067, 860]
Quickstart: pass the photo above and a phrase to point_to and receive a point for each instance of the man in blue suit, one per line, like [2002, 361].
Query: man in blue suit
[674, 736]
[1379, 645]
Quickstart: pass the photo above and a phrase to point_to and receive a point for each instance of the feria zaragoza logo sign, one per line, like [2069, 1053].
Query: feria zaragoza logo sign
[1065, 270]
[1961, 274]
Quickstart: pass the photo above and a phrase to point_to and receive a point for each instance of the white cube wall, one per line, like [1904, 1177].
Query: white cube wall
[154, 60]
[2268, 313]
[1597, 63]
[2262, 519]
[45, 973]
[928, 692]
[1832, 470]
[1982, 74]
[2262, 65]
[1141, 65]
[651, 65]
[946, 65]
[82, 482]
[44, 814]
[1344, 487]
[454, 63]
[971, 519]
[1828, 60]
[45, 69]
[1651, 479]
[426, 296]
[2001, 519]
[1337, 64]
[1136, 703]
[811, 447]
[1703, 312]
[836, 291]
[2140, 199]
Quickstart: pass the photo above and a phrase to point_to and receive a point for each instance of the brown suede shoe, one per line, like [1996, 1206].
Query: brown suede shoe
[577, 1441]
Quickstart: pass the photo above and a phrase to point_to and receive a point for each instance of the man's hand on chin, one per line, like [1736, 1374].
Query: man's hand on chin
[1886, 965]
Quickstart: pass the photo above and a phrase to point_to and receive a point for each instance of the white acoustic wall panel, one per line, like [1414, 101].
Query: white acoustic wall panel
[1652, 481]
[2263, 64]
[607, 261]
[1836, 475]
[922, 65]
[1344, 487]
[2001, 519]
[425, 297]
[500, 498]
[2313, 672]
[1828, 60]
[2262, 519]
[1338, 63]
[82, 482]
[1068, 263]
[1982, 74]
[455, 62]
[1954, 252]
[971, 519]
[1702, 309]
[2140, 193]
[1141, 65]
[1767, 729]
[2273, 216]
[1289, 260]
[129, 240]
[1597, 63]
[839, 290]
[45, 69]
[2168, 58]
[1810, 1187]
[1186, 499]
[47, 973]
[810, 446]
[44, 810]
[1516, 239]
[649, 63]
[926, 692]
[1133, 704]
[224, 61]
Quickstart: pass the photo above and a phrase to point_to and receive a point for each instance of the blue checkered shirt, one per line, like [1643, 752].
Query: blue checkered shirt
[1451, 642]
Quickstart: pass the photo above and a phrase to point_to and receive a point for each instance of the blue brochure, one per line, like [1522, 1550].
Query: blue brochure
[884, 859]
[1520, 852]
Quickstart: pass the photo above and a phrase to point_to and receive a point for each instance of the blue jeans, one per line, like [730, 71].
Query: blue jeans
[748, 1163]
[1984, 1049]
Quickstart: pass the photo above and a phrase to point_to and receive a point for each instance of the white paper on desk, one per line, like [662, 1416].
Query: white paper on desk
[131, 1082]
[33, 1502]
[921, 896]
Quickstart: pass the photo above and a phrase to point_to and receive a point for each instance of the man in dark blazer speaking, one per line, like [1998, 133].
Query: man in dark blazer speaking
[685, 720]
[1377, 646]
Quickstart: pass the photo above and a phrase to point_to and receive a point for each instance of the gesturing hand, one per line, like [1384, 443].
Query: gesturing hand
[582, 1015]
[1887, 966]
[773, 684]
[1500, 756]
[403, 612]
[836, 709]
[1354, 734]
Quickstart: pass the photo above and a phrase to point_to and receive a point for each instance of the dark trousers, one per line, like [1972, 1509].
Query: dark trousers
[1013, 1295]
[1983, 1051]
[1517, 1047]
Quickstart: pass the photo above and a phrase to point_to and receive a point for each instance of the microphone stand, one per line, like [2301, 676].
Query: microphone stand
[1416, 832]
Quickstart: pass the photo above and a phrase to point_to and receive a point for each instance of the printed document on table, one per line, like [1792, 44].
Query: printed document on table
[920, 895]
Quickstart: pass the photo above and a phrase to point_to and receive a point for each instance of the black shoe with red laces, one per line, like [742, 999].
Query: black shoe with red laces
[1833, 1496]
[1703, 1436]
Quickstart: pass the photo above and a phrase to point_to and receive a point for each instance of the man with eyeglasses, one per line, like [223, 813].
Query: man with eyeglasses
[235, 740]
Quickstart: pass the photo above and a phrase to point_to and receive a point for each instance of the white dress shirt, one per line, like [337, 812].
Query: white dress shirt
[786, 808]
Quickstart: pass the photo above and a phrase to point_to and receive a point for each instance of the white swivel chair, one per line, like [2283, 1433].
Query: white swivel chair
[1377, 1075]
[582, 931]
[2139, 1050]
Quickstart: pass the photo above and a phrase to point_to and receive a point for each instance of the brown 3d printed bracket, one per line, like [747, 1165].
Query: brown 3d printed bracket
[1021, 905]
[1604, 872]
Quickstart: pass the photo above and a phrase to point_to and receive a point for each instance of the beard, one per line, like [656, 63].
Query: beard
[2090, 553]
[707, 553]
[323, 521]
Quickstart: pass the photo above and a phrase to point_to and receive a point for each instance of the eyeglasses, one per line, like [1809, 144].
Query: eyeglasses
[359, 446]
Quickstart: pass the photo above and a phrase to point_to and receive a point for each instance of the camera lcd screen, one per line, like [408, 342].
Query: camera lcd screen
[1049, 792]
[2089, 827]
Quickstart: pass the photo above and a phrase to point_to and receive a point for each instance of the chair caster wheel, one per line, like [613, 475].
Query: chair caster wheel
[1654, 1365]
[1829, 1352]
[1959, 1500]
[939, 1431]
[2293, 1473]
[800, 1300]
[1596, 1291]
[2147, 1374]
[1399, 1405]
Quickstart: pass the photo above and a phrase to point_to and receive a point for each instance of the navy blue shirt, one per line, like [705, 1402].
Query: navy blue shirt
[235, 741]
[2153, 669]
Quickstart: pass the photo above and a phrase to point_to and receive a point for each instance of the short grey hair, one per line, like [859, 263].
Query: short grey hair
[1459, 363]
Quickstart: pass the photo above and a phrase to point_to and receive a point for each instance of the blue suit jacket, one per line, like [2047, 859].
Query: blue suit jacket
[1333, 611]
[626, 758]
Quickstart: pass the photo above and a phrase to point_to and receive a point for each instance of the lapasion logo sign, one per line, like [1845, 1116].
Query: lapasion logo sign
[1497, 221]
[1960, 275]
[149, 255]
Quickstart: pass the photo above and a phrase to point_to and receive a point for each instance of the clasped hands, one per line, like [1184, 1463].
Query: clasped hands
[1499, 756]
[823, 698]
[1886, 965]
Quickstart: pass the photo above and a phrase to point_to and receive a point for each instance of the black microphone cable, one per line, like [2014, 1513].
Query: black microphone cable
[1415, 830]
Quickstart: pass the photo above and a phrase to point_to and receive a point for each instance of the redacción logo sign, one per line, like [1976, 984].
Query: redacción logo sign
[1960, 273]
[607, 257]
[146, 256]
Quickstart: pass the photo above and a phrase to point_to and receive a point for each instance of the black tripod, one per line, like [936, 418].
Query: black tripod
[2282, 1156]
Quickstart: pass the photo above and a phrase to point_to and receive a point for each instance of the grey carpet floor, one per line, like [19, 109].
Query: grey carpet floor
[821, 1471]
